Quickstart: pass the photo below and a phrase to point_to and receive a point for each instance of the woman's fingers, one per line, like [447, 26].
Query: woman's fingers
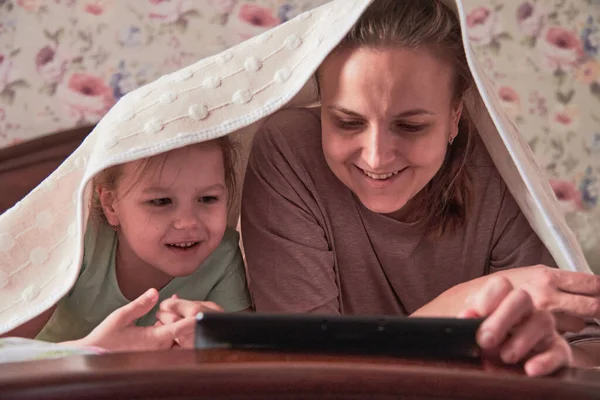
[558, 354]
[576, 282]
[516, 330]
[555, 290]
[503, 306]
[489, 297]
[515, 307]
[575, 304]
[527, 336]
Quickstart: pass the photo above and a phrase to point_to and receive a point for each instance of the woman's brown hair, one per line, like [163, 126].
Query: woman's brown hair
[110, 177]
[443, 205]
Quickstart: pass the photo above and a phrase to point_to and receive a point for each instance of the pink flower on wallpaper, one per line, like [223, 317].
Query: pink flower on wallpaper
[250, 20]
[30, 5]
[565, 118]
[510, 100]
[483, 25]
[94, 8]
[168, 11]
[569, 197]
[223, 6]
[530, 18]
[87, 96]
[49, 65]
[258, 16]
[560, 48]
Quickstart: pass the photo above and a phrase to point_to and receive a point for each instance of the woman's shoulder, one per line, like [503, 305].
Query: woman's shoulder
[289, 143]
[294, 128]
[488, 185]
[480, 163]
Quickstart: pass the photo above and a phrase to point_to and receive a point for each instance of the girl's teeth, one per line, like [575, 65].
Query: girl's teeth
[184, 245]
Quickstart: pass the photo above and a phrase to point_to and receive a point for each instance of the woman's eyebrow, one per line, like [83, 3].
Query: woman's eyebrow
[407, 113]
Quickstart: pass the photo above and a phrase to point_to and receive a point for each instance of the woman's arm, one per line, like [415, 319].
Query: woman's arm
[519, 255]
[289, 261]
[514, 244]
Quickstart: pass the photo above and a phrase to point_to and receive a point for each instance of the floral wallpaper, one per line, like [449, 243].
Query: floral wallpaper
[64, 63]
[544, 58]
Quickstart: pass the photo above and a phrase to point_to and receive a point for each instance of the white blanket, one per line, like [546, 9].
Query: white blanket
[41, 238]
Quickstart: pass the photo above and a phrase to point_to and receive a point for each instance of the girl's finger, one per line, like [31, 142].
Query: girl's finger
[166, 317]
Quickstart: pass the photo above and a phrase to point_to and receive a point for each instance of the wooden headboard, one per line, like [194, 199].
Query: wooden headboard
[26, 165]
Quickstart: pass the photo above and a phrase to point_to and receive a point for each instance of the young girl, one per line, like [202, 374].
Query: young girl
[157, 223]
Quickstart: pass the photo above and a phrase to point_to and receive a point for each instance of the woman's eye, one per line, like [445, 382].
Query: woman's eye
[350, 124]
[410, 127]
[160, 202]
[208, 199]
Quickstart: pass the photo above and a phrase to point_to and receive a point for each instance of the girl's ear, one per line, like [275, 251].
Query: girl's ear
[108, 201]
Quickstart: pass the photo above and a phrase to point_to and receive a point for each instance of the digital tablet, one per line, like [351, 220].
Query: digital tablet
[310, 333]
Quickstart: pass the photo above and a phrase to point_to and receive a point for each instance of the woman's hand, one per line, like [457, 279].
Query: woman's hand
[571, 296]
[119, 333]
[515, 330]
[175, 310]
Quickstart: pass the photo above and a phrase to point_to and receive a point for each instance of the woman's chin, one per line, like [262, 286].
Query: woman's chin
[382, 206]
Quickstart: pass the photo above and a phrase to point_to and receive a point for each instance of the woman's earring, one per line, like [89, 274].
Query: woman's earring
[451, 140]
[115, 228]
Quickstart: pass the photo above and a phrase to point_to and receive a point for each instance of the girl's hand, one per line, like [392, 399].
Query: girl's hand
[119, 333]
[176, 310]
[515, 330]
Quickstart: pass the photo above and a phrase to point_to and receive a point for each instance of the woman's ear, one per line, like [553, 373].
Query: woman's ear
[108, 201]
[456, 114]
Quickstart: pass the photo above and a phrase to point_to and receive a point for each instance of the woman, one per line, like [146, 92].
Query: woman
[384, 201]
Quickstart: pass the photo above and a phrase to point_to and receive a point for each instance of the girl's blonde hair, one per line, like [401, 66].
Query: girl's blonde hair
[444, 203]
[109, 178]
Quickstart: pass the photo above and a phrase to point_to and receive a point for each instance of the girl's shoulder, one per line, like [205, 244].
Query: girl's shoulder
[98, 248]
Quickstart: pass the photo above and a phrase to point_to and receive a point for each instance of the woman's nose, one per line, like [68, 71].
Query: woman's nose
[378, 149]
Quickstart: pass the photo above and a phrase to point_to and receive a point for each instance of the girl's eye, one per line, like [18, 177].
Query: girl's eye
[160, 202]
[208, 199]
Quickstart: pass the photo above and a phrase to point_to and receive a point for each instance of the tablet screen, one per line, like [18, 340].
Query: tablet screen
[374, 335]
